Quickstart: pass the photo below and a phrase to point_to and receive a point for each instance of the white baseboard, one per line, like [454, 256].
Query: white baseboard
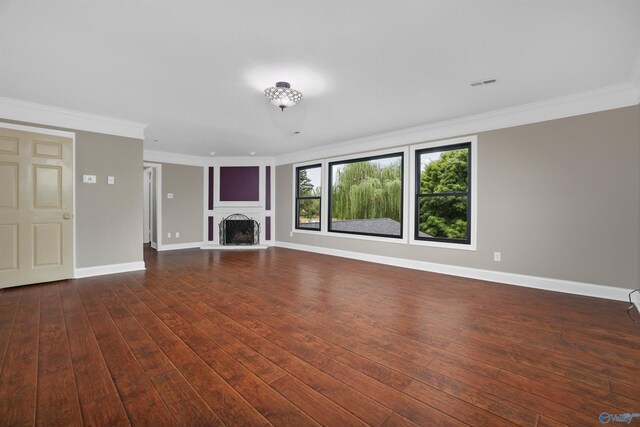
[557, 285]
[101, 270]
[175, 246]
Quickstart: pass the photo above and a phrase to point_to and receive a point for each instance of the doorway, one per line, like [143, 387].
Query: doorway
[152, 218]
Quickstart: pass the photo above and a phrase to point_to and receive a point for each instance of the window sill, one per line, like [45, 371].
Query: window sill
[444, 245]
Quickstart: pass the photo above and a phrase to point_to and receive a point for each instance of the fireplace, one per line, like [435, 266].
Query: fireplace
[239, 229]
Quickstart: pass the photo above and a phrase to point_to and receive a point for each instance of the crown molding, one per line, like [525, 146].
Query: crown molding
[14, 109]
[608, 98]
[189, 160]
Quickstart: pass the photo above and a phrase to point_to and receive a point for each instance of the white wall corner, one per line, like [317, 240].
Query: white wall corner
[14, 109]
[635, 77]
[635, 299]
[549, 284]
[101, 270]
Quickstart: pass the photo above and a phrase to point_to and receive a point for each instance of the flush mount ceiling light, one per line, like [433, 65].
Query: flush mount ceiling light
[281, 95]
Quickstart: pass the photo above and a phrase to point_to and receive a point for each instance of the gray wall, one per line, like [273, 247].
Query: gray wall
[183, 213]
[108, 217]
[558, 199]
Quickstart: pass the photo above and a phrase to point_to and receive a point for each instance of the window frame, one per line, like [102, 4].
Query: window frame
[297, 198]
[372, 156]
[445, 145]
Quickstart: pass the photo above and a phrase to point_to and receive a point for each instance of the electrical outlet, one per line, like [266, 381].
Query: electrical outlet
[168, 235]
[177, 234]
[497, 256]
[291, 234]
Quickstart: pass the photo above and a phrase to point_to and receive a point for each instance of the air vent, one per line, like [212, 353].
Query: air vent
[483, 82]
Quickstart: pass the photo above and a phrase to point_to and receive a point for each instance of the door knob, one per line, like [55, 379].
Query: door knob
[66, 215]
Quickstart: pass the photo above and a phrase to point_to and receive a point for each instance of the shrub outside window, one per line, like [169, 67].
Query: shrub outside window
[443, 194]
[365, 196]
[308, 197]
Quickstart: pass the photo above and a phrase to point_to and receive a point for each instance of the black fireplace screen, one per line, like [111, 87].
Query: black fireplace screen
[238, 229]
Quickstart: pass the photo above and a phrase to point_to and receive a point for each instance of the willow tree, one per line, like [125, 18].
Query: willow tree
[364, 190]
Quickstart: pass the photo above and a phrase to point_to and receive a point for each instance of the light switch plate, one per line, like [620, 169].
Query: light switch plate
[89, 179]
[111, 180]
[169, 195]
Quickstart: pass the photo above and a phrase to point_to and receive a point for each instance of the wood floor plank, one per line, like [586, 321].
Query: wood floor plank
[140, 398]
[276, 337]
[275, 408]
[99, 399]
[396, 401]
[184, 403]
[18, 380]
[629, 391]
[9, 300]
[351, 400]
[222, 398]
[58, 402]
[569, 381]
[313, 403]
[396, 420]
[559, 412]
[244, 354]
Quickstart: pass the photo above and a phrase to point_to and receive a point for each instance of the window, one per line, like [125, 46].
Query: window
[366, 196]
[443, 194]
[308, 197]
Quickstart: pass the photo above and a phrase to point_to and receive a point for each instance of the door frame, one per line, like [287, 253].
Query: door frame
[157, 176]
[147, 221]
[64, 134]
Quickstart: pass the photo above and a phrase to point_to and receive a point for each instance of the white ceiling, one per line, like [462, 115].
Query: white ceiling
[195, 70]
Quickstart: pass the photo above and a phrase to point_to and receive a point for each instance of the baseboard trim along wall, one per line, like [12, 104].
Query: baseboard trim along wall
[101, 270]
[557, 285]
[175, 246]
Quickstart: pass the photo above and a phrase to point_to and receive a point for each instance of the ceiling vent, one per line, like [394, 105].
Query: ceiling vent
[484, 82]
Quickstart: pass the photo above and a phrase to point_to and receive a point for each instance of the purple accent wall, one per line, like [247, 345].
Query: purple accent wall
[268, 189]
[267, 228]
[239, 183]
[210, 229]
[210, 189]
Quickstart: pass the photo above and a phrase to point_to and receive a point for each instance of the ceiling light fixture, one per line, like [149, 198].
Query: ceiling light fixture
[281, 95]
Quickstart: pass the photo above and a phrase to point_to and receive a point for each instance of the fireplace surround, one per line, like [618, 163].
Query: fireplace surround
[239, 230]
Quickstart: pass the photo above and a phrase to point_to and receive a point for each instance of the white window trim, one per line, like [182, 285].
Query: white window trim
[325, 196]
[323, 200]
[408, 201]
[405, 193]
[474, 193]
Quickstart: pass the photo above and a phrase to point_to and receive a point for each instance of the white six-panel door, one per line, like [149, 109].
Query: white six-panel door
[36, 203]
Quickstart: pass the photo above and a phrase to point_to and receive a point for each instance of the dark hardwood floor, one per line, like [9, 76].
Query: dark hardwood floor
[291, 338]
